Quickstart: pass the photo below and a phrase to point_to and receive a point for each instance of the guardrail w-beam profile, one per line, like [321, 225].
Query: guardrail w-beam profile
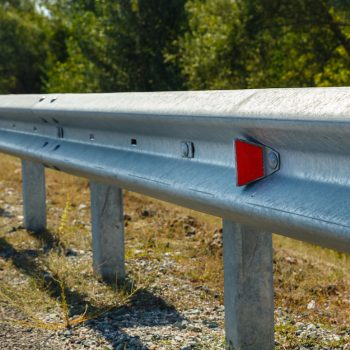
[264, 160]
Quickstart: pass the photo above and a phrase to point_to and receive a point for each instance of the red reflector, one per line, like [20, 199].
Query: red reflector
[249, 162]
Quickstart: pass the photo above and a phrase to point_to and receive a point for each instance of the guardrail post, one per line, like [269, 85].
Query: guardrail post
[107, 231]
[34, 196]
[248, 288]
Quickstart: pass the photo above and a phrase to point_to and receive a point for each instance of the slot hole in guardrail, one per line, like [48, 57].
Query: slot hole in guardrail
[57, 147]
[55, 120]
[45, 144]
[133, 142]
[44, 120]
[41, 99]
[53, 100]
[60, 132]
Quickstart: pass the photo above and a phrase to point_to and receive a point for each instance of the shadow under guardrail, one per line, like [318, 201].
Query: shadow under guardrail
[107, 324]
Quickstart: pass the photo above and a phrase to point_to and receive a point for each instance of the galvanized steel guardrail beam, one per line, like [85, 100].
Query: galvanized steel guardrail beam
[179, 147]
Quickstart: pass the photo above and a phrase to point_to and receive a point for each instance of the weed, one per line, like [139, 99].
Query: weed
[39, 278]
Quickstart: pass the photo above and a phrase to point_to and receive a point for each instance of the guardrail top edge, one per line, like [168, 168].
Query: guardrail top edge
[276, 104]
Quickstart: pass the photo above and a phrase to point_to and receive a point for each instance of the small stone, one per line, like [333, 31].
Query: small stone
[312, 335]
[82, 206]
[291, 260]
[212, 325]
[311, 305]
[190, 345]
[127, 217]
[310, 327]
[67, 333]
[195, 328]
[145, 213]
[71, 252]
[181, 324]
[190, 232]
[194, 312]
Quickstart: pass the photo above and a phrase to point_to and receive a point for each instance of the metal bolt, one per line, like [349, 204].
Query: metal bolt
[273, 160]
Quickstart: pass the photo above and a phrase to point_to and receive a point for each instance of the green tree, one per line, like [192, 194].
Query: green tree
[76, 46]
[298, 43]
[140, 33]
[23, 47]
[206, 59]
[265, 43]
[117, 46]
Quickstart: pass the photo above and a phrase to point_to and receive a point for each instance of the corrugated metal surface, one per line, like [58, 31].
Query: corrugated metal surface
[134, 140]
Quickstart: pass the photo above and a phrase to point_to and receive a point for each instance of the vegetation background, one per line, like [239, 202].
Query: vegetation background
[143, 45]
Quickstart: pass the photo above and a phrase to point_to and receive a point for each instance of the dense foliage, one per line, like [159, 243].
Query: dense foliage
[266, 43]
[23, 47]
[143, 45]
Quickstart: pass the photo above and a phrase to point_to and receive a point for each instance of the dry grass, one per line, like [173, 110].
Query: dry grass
[49, 276]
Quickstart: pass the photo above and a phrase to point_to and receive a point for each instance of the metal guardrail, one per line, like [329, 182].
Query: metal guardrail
[179, 147]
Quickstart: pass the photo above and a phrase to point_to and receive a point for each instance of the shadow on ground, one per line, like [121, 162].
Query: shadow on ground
[143, 308]
[4, 213]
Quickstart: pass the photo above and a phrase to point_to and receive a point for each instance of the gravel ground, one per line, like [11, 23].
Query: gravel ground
[150, 320]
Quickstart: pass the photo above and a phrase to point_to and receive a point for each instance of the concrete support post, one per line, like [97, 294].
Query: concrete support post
[107, 231]
[248, 288]
[34, 196]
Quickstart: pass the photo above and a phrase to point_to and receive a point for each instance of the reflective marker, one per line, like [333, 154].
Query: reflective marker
[249, 162]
